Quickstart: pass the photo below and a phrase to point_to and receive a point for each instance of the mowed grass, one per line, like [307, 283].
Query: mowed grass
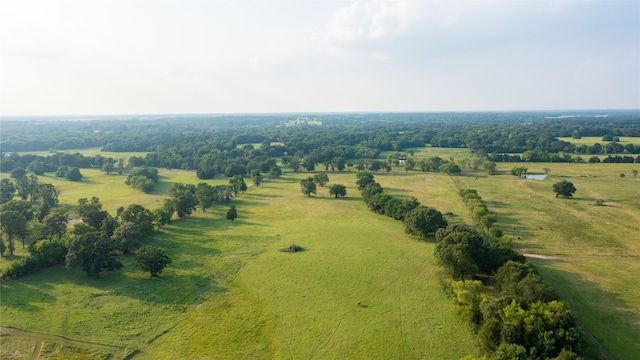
[90, 152]
[590, 140]
[597, 245]
[232, 294]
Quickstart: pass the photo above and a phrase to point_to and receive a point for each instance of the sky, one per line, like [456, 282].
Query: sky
[237, 56]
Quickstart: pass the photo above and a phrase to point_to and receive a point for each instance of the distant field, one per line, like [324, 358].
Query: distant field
[231, 293]
[90, 152]
[590, 140]
[597, 273]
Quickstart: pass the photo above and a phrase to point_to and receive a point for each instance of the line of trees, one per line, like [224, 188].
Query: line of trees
[524, 319]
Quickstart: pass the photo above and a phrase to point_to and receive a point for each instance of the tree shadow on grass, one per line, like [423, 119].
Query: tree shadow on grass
[16, 294]
[608, 318]
[262, 195]
[172, 289]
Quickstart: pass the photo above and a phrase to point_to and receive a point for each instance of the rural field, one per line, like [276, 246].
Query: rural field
[232, 293]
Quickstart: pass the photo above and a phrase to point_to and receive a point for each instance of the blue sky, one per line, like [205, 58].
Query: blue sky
[148, 56]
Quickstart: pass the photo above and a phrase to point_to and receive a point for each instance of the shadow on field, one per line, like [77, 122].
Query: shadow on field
[16, 294]
[610, 322]
[262, 195]
[171, 289]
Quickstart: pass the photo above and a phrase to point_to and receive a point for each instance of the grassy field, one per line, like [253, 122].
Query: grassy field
[596, 273]
[590, 140]
[231, 293]
[90, 152]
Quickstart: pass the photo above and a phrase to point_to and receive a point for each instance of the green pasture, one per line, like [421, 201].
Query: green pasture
[590, 140]
[596, 246]
[232, 294]
[89, 152]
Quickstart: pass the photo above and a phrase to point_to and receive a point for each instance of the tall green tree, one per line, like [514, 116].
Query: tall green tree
[321, 179]
[307, 186]
[423, 221]
[184, 199]
[205, 194]
[7, 190]
[137, 214]
[13, 224]
[94, 252]
[457, 250]
[564, 188]
[56, 222]
[338, 190]
[237, 184]
[152, 260]
[232, 213]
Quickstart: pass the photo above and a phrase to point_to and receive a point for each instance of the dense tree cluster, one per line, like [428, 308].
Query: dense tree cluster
[92, 244]
[419, 220]
[523, 320]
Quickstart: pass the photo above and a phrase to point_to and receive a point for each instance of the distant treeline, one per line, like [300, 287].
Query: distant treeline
[218, 141]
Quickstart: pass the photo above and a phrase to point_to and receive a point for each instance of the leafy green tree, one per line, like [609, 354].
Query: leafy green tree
[364, 178]
[519, 170]
[544, 329]
[256, 178]
[13, 224]
[423, 221]
[7, 190]
[48, 194]
[127, 237]
[151, 260]
[321, 179]
[522, 283]
[74, 174]
[307, 186]
[107, 167]
[338, 190]
[18, 173]
[56, 222]
[409, 164]
[457, 250]
[450, 168]
[37, 167]
[184, 199]
[162, 215]
[237, 184]
[309, 163]
[275, 172]
[634, 172]
[369, 191]
[205, 194]
[91, 212]
[564, 188]
[20, 206]
[48, 252]
[232, 213]
[141, 217]
[93, 251]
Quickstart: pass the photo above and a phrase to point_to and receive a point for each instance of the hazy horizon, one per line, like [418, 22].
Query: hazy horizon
[98, 58]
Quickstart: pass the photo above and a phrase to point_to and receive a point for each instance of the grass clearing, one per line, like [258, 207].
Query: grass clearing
[597, 276]
[231, 292]
[590, 140]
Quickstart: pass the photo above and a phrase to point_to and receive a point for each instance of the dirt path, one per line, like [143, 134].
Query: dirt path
[543, 257]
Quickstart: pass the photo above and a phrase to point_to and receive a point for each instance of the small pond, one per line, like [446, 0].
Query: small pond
[534, 176]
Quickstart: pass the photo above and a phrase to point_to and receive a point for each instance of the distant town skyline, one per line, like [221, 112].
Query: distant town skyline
[197, 57]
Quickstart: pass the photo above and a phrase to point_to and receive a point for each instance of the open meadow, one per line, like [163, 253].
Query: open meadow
[231, 293]
[595, 247]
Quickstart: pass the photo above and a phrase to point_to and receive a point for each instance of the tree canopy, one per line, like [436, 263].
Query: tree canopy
[564, 188]
[152, 260]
